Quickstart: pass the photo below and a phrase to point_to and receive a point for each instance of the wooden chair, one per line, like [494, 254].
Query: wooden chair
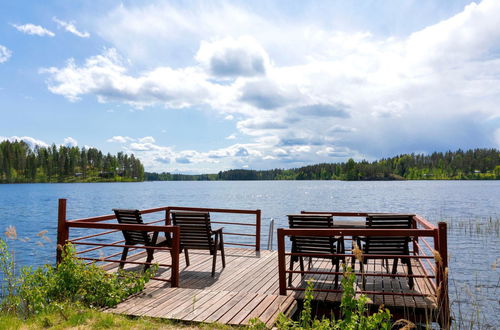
[389, 245]
[311, 244]
[197, 234]
[136, 237]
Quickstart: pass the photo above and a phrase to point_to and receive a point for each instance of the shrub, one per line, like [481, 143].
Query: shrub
[72, 281]
[353, 312]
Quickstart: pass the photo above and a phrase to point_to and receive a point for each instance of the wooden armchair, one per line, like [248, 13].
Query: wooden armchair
[388, 245]
[311, 244]
[197, 234]
[135, 237]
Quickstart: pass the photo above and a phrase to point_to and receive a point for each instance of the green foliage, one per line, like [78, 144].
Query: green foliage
[354, 314]
[476, 164]
[47, 288]
[20, 164]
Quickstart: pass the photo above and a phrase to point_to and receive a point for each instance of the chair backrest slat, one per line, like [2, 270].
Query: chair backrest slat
[132, 217]
[310, 244]
[388, 244]
[196, 231]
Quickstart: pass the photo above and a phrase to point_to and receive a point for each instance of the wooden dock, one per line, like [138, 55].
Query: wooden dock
[248, 288]
[254, 283]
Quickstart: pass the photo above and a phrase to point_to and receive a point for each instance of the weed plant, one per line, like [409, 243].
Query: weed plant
[354, 311]
[49, 288]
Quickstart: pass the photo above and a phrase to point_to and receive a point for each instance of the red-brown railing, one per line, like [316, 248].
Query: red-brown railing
[108, 229]
[434, 271]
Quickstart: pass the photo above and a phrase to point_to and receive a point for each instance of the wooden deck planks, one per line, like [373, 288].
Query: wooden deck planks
[248, 287]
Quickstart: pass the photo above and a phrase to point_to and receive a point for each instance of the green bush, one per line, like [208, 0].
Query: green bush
[72, 281]
[353, 312]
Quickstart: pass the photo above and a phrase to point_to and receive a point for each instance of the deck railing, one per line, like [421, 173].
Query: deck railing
[430, 256]
[105, 239]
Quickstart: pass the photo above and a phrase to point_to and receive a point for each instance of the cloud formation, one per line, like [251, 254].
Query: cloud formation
[34, 30]
[231, 58]
[5, 54]
[71, 28]
[300, 93]
[32, 142]
[70, 142]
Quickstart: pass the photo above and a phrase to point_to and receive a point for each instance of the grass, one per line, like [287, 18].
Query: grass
[74, 317]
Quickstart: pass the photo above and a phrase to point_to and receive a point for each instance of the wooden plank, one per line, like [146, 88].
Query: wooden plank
[288, 301]
[268, 302]
[187, 302]
[245, 299]
[183, 296]
[203, 306]
[225, 308]
[214, 307]
[243, 313]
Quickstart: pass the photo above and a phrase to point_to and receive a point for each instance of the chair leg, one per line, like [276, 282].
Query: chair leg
[395, 266]
[124, 257]
[221, 246]
[150, 253]
[290, 274]
[337, 268]
[215, 254]
[301, 263]
[410, 272]
[186, 255]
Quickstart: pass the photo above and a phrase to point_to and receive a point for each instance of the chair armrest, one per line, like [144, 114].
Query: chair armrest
[218, 230]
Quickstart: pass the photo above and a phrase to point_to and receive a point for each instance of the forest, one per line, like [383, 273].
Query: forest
[473, 164]
[21, 164]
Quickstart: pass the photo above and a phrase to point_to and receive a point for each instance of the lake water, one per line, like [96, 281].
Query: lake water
[472, 209]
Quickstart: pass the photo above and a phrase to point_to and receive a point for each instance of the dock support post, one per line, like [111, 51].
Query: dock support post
[443, 303]
[257, 230]
[62, 229]
[281, 261]
[175, 256]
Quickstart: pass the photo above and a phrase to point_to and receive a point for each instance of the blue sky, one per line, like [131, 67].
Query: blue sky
[198, 87]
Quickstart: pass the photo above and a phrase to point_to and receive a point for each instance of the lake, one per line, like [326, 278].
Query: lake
[471, 208]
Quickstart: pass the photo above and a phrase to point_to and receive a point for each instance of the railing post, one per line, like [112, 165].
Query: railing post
[281, 261]
[175, 256]
[62, 229]
[443, 302]
[257, 230]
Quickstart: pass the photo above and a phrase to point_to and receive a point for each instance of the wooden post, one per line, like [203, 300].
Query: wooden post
[175, 256]
[62, 229]
[281, 262]
[257, 230]
[444, 304]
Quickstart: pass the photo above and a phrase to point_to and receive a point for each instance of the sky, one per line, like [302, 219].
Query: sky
[205, 86]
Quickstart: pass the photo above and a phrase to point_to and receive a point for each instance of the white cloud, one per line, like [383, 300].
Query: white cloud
[5, 54]
[231, 58]
[32, 142]
[70, 27]
[106, 76]
[147, 139]
[70, 142]
[327, 94]
[34, 30]
[231, 137]
[120, 139]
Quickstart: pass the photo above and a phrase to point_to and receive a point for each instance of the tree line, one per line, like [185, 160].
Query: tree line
[19, 163]
[473, 164]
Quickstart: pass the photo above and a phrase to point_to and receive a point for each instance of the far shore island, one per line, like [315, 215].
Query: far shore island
[19, 163]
